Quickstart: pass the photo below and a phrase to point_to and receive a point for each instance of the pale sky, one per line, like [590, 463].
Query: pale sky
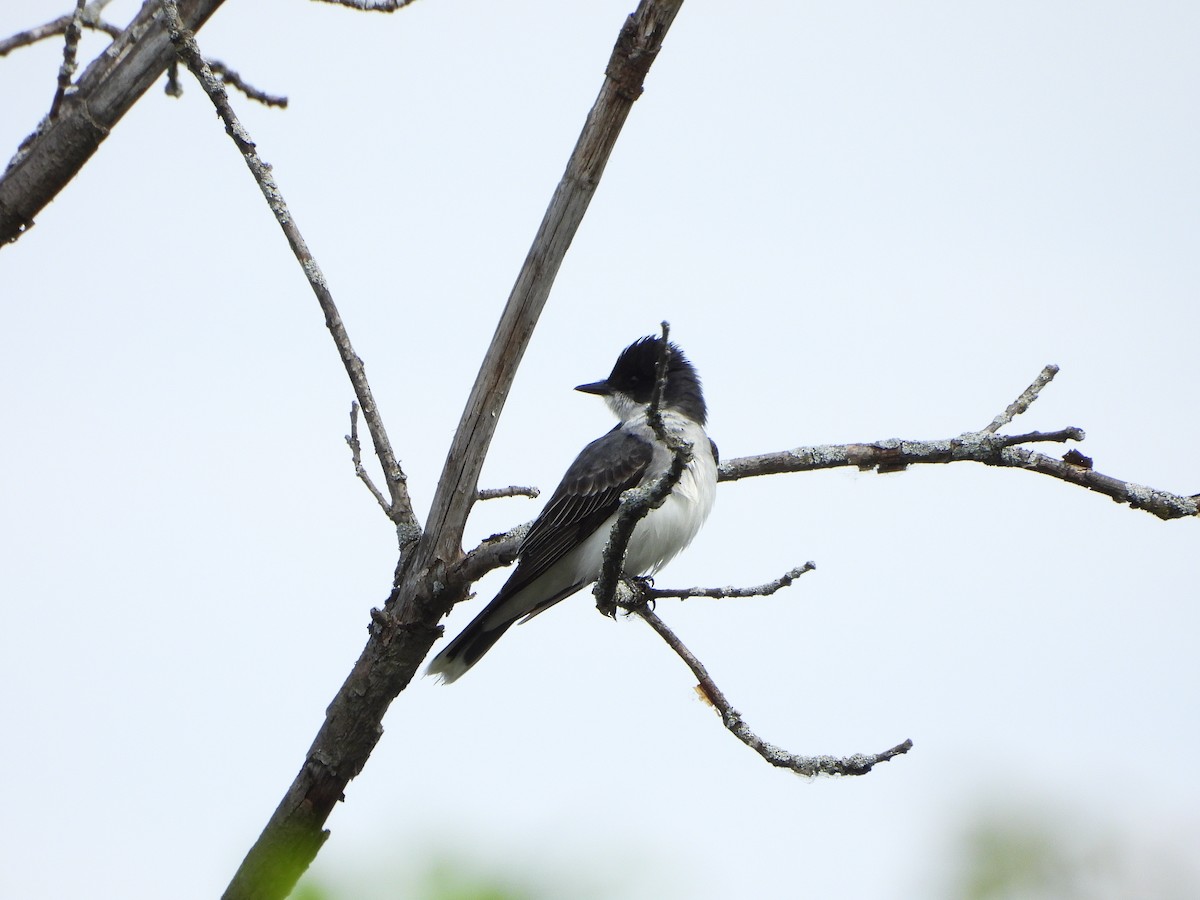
[864, 221]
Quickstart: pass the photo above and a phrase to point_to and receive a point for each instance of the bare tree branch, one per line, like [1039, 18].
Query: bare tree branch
[808, 766]
[984, 447]
[513, 490]
[990, 450]
[636, 48]
[49, 158]
[1024, 401]
[760, 590]
[90, 19]
[70, 45]
[356, 458]
[233, 79]
[399, 509]
[495, 552]
[386, 6]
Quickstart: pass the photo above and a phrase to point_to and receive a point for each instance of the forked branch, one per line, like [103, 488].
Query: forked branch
[808, 766]
[984, 446]
[399, 506]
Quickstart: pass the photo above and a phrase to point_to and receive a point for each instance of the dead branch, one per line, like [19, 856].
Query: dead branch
[495, 552]
[808, 766]
[233, 79]
[984, 446]
[54, 153]
[90, 19]
[513, 490]
[895, 455]
[356, 459]
[636, 48]
[72, 34]
[399, 508]
[651, 593]
[638, 501]
[385, 6]
[1024, 401]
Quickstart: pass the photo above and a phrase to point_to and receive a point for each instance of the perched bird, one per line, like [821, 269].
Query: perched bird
[564, 548]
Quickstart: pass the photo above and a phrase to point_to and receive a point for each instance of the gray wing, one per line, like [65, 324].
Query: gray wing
[588, 495]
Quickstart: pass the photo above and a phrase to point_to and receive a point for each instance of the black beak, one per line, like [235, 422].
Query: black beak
[596, 387]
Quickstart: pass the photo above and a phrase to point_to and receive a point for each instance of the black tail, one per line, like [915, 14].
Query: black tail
[467, 649]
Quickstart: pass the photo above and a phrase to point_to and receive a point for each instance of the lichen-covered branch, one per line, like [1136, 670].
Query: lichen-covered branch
[90, 18]
[637, 502]
[984, 446]
[399, 508]
[1024, 401]
[72, 34]
[356, 459]
[513, 490]
[385, 6]
[808, 766]
[758, 590]
[234, 80]
[1000, 451]
[59, 147]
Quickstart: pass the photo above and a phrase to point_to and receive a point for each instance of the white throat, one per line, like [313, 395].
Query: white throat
[625, 407]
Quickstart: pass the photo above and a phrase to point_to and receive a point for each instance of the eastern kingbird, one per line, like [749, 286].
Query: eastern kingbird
[564, 548]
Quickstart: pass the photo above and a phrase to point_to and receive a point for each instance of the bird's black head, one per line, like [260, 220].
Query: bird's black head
[631, 382]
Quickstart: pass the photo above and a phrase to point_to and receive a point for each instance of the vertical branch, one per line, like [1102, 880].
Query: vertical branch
[637, 502]
[637, 46]
[70, 45]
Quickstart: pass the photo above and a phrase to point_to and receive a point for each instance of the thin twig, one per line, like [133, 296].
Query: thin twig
[230, 77]
[173, 87]
[808, 766]
[90, 19]
[70, 46]
[1024, 401]
[661, 366]
[356, 458]
[400, 508]
[513, 490]
[386, 6]
[638, 501]
[761, 590]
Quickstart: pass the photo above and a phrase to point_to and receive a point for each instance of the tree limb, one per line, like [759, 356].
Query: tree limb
[759, 590]
[808, 766]
[90, 19]
[990, 450]
[386, 6]
[49, 158]
[399, 509]
[72, 34]
[636, 48]
[513, 490]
